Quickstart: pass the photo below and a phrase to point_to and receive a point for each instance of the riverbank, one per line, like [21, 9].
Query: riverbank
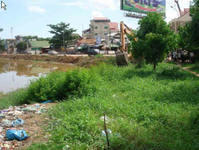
[144, 109]
[79, 60]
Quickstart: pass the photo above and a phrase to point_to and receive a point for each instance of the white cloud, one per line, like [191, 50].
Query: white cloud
[97, 14]
[105, 4]
[95, 4]
[36, 9]
[76, 3]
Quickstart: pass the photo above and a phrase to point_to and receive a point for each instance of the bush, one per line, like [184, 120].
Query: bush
[60, 86]
[79, 83]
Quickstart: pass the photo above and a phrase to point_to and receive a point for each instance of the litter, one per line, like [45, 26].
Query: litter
[46, 102]
[30, 109]
[106, 118]
[19, 135]
[104, 134]
[12, 119]
[6, 123]
[2, 116]
[17, 122]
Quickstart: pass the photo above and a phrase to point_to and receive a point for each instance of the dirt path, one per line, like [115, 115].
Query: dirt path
[188, 69]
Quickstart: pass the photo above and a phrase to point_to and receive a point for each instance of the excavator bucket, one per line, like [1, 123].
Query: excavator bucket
[121, 58]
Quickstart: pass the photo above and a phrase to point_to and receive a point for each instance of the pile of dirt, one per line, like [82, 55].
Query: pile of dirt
[80, 60]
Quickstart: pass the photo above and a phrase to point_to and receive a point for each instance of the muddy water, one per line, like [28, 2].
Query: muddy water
[15, 74]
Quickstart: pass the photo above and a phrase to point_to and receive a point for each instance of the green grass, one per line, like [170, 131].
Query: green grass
[147, 111]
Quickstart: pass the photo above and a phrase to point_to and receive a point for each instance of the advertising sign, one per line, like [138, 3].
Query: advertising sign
[98, 40]
[144, 6]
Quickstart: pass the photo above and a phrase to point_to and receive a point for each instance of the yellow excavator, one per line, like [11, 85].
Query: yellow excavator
[122, 55]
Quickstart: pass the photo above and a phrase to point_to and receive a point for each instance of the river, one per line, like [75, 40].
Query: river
[15, 74]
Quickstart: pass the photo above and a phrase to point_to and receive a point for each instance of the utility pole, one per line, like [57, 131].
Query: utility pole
[63, 40]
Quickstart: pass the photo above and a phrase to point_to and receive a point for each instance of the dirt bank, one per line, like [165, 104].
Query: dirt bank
[79, 60]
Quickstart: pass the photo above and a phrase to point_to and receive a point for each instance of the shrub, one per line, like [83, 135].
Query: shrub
[60, 86]
[79, 83]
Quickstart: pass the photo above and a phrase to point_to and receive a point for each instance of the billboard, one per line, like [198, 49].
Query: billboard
[144, 6]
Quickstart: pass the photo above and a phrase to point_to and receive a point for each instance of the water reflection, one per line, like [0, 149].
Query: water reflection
[16, 74]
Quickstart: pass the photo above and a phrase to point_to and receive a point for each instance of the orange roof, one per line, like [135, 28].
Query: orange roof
[100, 18]
[113, 25]
[87, 41]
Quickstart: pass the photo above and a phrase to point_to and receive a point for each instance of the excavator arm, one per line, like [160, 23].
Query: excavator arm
[125, 30]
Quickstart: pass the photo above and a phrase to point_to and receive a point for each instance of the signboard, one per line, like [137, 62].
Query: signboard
[98, 40]
[144, 6]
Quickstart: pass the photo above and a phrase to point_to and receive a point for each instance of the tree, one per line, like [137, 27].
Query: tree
[184, 40]
[21, 47]
[155, 39]
[1, 29]
[62, 34]
[2, 46]
[195, 26]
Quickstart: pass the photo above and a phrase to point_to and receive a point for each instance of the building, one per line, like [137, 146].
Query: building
[10, 45]
[100, 28]
[39, 46]
[181, 21]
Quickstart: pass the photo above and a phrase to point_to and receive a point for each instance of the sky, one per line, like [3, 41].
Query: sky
[31, 17]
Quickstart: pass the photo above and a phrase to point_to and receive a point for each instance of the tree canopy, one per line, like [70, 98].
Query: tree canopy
[2, 45]
[22, 46]
[195, 25]
[155, 39]
[62, 34]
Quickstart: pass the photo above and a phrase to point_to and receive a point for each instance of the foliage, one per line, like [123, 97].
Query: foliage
[2, 45]
[155, 39]
[62, 34]
[195, 22]
[60, 86]
[29, 37]
[146, 110]
[21, 46]
[185, 37]
[1, 29]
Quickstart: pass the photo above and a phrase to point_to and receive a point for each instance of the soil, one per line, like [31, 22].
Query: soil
[79, 60]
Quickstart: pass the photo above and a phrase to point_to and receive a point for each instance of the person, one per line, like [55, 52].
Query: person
[182, 56]
[174, 55]
[179, 55]
[192, 57]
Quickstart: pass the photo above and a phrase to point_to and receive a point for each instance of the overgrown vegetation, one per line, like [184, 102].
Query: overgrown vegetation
[56, 86]
[146, 110]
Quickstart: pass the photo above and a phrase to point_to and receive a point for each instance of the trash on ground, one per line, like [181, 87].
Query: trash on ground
[12, 124]
[104, 133]
[17, 122]
[19, 135]
[46, 102]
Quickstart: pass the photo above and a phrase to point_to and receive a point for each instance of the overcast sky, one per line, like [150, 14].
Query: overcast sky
[30, 17]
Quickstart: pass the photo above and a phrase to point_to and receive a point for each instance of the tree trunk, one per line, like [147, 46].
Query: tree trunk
[154, 67]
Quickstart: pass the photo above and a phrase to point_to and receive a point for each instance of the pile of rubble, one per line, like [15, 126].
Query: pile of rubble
[12, 122]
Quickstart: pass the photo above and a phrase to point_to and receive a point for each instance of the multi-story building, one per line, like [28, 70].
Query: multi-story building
[101, 28]
[181, 21]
